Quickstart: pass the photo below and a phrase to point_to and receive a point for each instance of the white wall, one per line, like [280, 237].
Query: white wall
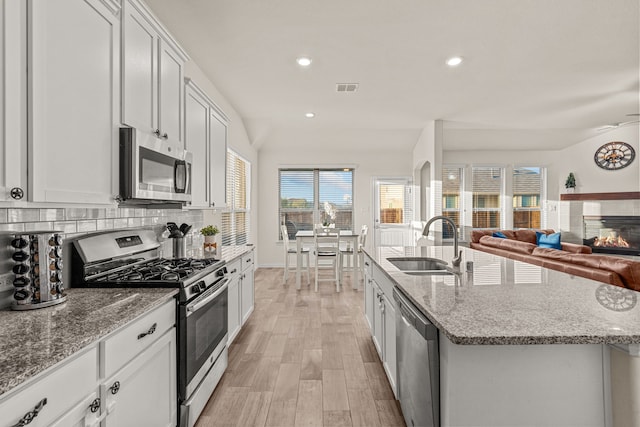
[589, 177]
[368, 164]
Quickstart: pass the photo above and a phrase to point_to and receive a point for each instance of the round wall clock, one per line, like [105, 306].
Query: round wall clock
[614, 155]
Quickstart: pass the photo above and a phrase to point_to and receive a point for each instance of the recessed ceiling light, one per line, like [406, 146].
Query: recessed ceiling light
[310, 115]
[303, 61]
[454, 61]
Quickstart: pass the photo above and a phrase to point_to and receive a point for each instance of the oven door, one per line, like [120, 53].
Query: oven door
[152, 169]
[202, 336]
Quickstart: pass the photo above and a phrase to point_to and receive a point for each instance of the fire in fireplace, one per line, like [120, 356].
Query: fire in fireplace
[612, 234]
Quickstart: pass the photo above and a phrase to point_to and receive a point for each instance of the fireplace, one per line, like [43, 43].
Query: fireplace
[612, 234]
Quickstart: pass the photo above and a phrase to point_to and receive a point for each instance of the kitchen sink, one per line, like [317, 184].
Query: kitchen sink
[420, 265]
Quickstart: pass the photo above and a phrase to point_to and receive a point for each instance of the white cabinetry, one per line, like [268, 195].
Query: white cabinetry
[127, 379]
[61, 393]
[139, 364]
[235, 319]
[73, 100]
[381, 314]
[368, 293]
[206, 138]
[13, 90]
[247, 286]
[152, 75]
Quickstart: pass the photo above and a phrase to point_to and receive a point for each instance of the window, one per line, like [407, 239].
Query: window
[527, 188]
[486, 189]
[236, 216]
[451, 197]
[304, 193]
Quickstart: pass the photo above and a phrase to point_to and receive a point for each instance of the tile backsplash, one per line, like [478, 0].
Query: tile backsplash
[78, 221]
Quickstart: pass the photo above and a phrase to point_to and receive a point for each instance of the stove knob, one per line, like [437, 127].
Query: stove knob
[195, 289]
[20, 269]
[19, 243]
[21, 294]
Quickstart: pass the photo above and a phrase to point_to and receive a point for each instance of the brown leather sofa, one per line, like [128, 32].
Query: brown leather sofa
[572, 259]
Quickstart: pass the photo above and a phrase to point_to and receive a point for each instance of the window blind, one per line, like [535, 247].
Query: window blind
[304, 192]
[236, 216]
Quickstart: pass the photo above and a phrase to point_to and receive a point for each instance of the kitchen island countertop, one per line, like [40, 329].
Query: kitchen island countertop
[510, 302]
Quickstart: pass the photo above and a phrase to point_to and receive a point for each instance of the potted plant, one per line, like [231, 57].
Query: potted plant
[570, 183]
[210, 245]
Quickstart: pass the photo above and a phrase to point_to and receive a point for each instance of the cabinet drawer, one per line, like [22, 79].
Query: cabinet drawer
[385, 283]
[139, 334]
[247, 261]
[235, 267]
[63, 387]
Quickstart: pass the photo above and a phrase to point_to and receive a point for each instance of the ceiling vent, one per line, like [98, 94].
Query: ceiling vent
[346, 87]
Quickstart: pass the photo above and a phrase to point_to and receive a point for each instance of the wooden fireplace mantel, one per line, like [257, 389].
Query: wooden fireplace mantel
[629, 195]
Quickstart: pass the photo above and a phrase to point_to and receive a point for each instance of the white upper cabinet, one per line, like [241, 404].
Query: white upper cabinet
[152, 75]
[13, 90]
[73, 100]
[197, 142]
[206, 138]
[218, 159]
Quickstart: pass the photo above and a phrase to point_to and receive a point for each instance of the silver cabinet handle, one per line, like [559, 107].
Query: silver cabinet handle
[115, 387]
[165, 136]
[157, 133]
[29, 416]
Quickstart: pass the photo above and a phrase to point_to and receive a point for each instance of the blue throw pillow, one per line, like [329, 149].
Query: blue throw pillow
[548, 240]
[499, 235]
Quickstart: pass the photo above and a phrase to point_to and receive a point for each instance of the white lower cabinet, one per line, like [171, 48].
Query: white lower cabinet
[84, 414]
[235, 319]
[142, 393]
[59, 392]
[247, 287]
[241, 293]
[380, 313]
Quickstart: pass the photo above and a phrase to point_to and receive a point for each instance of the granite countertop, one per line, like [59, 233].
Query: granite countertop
[32, 341]
[510, 302]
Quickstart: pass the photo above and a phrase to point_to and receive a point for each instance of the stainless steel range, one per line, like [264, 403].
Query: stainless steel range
[129, 258]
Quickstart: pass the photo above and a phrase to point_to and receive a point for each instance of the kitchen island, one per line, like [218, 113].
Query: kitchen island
[519, 344]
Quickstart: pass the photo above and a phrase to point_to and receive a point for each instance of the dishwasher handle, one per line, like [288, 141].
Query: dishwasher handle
[411, 315]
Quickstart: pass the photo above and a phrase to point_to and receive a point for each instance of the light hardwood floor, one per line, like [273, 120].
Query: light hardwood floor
[303, 359]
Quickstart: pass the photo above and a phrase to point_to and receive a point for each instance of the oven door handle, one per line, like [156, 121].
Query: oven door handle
[191, 308]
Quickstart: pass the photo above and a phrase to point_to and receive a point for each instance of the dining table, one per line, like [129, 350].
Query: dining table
[348, 236]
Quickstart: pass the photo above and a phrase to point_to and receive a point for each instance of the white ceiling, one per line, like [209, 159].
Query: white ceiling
[538, 74]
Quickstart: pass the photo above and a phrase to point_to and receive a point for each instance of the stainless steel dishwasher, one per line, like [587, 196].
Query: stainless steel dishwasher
[418, 365]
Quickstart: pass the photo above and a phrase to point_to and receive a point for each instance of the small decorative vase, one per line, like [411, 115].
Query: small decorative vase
[210, 246]
[571, 190]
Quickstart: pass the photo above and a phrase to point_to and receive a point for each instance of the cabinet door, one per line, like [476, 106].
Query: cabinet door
[247, 293]
[139, 71]
[73, 97]
[389, 362]
[13, 90]
[218, 160]
[84, 414]
[196, 141]
[170, 93]
[143, 392]
[378, 321]
[235, 320]
[368, 300]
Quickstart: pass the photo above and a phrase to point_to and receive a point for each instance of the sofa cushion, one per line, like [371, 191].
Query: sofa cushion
[476, 235]
[548, 240]
[508, 244]
[575, 248]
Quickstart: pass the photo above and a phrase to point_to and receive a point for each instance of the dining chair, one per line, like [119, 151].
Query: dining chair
[327, 252]
[352, 258]
[288, 251]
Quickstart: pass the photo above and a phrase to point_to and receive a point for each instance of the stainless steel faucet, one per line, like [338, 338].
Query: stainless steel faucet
[457, 255]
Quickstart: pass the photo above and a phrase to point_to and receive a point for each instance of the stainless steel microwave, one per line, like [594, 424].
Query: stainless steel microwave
[153, 170]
